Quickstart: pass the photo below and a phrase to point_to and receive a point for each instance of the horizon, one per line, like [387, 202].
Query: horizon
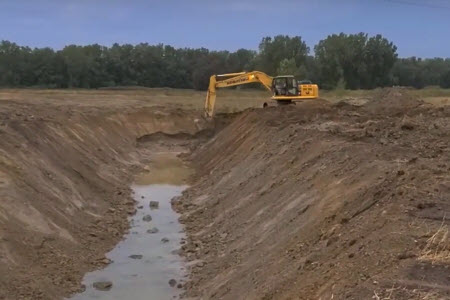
[416, 27]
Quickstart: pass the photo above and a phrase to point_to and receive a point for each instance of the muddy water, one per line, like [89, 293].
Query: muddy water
[145, 261]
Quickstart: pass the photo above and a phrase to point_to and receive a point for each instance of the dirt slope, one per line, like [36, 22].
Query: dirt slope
[64, 197]
[322, 201]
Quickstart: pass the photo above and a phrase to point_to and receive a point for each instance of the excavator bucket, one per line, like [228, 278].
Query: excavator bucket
[210, 98]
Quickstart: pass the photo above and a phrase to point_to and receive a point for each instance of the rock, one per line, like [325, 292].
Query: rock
[200, 264]
[180, 286]
[400, 172]
[142, 197]
[140, 207]
[164, 240]
[102, 285]
[147, 218]
[407, 124]
[172, 282]
[405, 255]
[135, 256]
[154, 204]
[106, 261]
[153, 230]
[176, 252]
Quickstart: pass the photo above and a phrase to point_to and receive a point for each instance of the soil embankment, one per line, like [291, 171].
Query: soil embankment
[65, 172]
[322, 201]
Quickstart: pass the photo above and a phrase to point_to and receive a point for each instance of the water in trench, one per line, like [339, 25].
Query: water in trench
[145, 264]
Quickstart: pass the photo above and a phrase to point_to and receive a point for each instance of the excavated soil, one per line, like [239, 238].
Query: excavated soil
[313, 201]
[322, 201]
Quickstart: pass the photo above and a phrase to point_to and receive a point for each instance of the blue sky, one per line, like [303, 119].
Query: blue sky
[417, 27]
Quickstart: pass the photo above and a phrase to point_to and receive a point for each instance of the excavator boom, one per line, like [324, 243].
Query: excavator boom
[233, 79]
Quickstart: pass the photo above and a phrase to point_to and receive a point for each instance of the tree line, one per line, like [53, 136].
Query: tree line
[352, 61]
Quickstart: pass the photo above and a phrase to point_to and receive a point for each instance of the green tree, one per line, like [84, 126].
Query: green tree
[272, 51]
[445, 80]
[288, 67]
[379, 58]
[360, 61]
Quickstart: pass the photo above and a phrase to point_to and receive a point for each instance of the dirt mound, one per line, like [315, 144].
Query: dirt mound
[323, 201]
[392, 101]
[64, 175]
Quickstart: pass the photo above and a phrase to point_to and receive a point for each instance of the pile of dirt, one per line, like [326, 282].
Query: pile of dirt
[65, 172]
[322, 201]
[391, 101]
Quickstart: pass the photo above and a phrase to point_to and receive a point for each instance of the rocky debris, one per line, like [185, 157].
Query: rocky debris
[135, 256]
[153, 230]
[172, 282]
[154, 204]
[147, 218]
[164, 240]
[103, 285]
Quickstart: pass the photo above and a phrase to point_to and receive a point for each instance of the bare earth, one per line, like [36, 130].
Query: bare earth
[342, 200]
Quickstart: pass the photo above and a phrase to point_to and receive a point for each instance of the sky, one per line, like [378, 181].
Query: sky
[418, 27]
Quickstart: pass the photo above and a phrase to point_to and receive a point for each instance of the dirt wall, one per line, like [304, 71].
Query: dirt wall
[321, 201]
[64, 175]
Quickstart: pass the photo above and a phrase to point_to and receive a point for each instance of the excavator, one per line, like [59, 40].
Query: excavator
[284, 89]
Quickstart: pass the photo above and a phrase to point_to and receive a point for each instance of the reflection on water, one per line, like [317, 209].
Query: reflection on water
[147, 277]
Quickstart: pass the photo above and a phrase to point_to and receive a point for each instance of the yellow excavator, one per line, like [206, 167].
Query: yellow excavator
[284, 89]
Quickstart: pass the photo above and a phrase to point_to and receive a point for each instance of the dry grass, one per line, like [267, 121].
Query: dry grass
[405, 293]
[228, 100]
[437, 248]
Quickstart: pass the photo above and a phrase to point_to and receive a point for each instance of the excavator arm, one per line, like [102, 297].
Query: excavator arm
[233, 79]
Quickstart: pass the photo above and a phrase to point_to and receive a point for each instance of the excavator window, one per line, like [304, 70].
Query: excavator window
[280, 86]
[285, 86]
[292, 87]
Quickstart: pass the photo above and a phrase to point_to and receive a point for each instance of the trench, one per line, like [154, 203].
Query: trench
[146, 264]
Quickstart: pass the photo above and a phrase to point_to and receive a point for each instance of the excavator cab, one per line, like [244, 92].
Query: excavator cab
[285, 86]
